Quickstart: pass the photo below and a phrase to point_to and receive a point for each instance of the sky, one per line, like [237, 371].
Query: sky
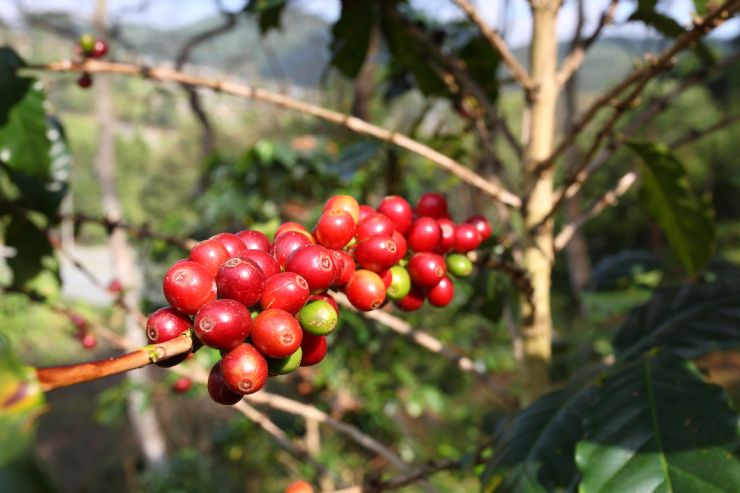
[174, 13]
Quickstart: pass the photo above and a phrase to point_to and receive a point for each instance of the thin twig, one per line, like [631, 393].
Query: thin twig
[354, 124]
[517, 70]
[697, 134]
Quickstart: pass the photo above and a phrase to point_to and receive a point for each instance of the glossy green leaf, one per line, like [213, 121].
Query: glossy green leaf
[686, 219]
[481, 64]
[657, 426]
[667, 26]
[12, 88]
[351, 36]
[33, 264]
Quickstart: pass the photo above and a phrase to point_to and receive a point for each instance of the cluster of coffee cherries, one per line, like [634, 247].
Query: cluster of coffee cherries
[89, 47]
[265, 304]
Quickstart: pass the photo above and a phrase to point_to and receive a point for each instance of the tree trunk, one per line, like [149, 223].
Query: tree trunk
[538, 249]
[125, 267]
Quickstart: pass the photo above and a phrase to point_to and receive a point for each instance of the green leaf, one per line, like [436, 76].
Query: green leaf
[702, 6]
[668, 26]
[536, 453]
[351, 37]
[657, 426]
[34, 260]
[268, 13]
[12, 88]
[481, 64]
[687, 220]
[688, 321]
[354, 156]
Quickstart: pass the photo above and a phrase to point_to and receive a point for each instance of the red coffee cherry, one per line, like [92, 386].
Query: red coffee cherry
[314, 349]
[424, 235]
[182, 385]
[287, 291]
[432, 205]
[188, 286]
[374, 224]
[377, 253]
[299, 487]
[240, 279]
[231, 242]
[266, 262]
[413, 300]
[276, 333]
[314, 263]
[441, 294]
[401, 244]
[398, 210]
[89, 341]
[387, 277]
[222, 324]
[426, 269]
[365, 290]
[85, 81]
[164, 325]
[467, 238]
[290, 226]
[346, 203]
[218, 390]
[286, 243]
[244, 369]
[100, 49]
[347, 267]
[365, 210]
[254, 240]
[211, 254]
[335, 229]
[447, 238]
[482, 225]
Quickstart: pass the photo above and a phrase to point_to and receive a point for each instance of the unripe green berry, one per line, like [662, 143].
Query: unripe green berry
[87, 43]
[400, 283]
[283, 366]
[459, 265]
[318, 317]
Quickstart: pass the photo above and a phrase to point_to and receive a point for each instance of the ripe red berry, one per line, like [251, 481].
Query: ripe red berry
[365, 290]
[290, 226]
[424, 235]
[346, 203]
[89, 341]
[100, 49]
[115, 286]
[467, 238]
[299, 487]
[447, 238]
[335, 228]
[314, 349]
[254, 240]
[218, 390]
[347, 267]
[365, 210]
[222, 324]
[188, 286]
[398, 210]
[482, 225]
[441, 294]
[286, 243]
[85, 81]
[413, 300]
[266, 262]
[240, 279]
[377, 253]
[164, 325]
[432, 205]
[401, 245]
[244, 369]
[374, 224]
[387, 277]
[276, 333]
[426, 269]
[287, 291]
[314, 263]
[182, 385]
[210, 254]
[231, 242]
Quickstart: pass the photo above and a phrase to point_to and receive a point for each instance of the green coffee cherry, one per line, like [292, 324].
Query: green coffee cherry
[459, 265]
[87, 44]
[318, 317]
[283, 366]
[400, 283]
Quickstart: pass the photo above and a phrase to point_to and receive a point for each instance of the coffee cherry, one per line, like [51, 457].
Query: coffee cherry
[401, 245]
[467, 238]
[441, 294]
[482, 225]
[400, 283]
[387, 278]
[231, 242]
[326, 297]
[254, 240]
[426, 269]
[276, 333]
[346, 203]
[377, 253]
[286, 243]
[296, 228]
[115, 286]
[365, 210]
[365, 290]
[87, 44]
[335, 228]
[164, 325]
[398, 210]
[266, 262]
[85, 80]
[412, 301]
[447, 238]
[314, 349]
[89, 341]
[188, 286]
[182, 385]
[218, 390]
[299, 487]
[314, 263]
[222, 324]
[283, 366]
[210, 254]
[244, 369]
[347, 267]
[242, 280]
[459, 265]
[100, 49]
[287, 291]
[318, 317]
[432, 205]
[424, 235]
[374, 224]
